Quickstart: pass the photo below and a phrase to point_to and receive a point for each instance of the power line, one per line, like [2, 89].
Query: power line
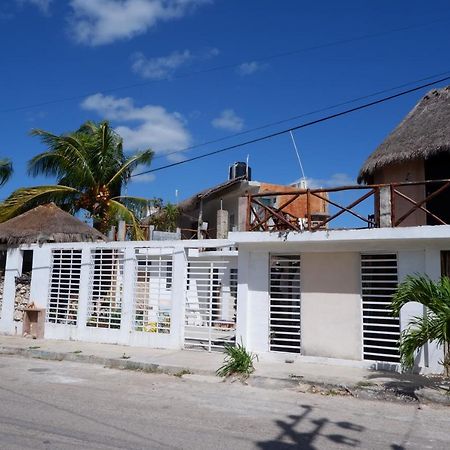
[223, 67]
[299, 116]
[297, 127]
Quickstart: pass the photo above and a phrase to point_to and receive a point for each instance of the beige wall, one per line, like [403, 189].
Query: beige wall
[331, 305]
[407, 171]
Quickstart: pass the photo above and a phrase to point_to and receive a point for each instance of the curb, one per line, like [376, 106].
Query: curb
[373, 392]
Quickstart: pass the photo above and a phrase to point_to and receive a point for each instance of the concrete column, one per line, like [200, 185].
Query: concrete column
[121, 230]
[385, 207]
[83, 298]
[13, 269]
[129, 265]
[258, 302]
[40, 276]
[242, 297]
[222, 224]
[179, 267]
[242, 213]
[432, 353]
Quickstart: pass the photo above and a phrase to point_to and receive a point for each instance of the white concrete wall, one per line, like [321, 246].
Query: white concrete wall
[331, 305]
[253, 300]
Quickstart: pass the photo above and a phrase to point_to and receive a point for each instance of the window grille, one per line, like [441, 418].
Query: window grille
[106, 288]
[2, 276]
[64, 286]
[210, 313]
[153, 293]
[381, 330]
[285, 294]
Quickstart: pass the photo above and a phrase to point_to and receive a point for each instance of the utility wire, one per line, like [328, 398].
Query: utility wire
[299, 116]
[225, 66]
[297, 127]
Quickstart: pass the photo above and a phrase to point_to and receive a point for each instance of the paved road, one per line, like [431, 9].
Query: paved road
[62, 405]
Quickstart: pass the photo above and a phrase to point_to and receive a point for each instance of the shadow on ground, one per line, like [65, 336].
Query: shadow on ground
[292, 435]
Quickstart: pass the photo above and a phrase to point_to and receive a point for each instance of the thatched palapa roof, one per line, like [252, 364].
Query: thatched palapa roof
[424, 132]
[47, 223]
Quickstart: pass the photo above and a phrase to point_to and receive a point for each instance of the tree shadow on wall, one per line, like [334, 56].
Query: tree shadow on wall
[292, 437]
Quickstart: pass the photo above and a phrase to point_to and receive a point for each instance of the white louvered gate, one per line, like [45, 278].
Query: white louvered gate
[153, 292]
[210, 312]
[106, 288]
[284, 280]
[381, 331]
[64, 286]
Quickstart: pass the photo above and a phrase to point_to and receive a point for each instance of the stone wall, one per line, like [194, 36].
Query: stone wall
[22, 299]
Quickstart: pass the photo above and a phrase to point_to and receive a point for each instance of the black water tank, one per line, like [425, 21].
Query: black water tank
[239, 169]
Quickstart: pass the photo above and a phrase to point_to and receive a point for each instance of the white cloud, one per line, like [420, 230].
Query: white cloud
[336, 179]
[248, 68]
[143, 127]
[228, 120]
[43, 5]
[99, 22]
[160, 67]
[144, 178]
[164, 66]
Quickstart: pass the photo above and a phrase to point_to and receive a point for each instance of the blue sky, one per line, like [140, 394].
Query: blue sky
[53, 50]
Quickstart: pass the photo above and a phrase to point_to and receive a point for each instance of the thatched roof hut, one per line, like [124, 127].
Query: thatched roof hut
[423, 133]
[46, 223]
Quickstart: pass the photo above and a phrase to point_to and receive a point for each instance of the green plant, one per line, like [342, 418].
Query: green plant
[238, 361]
[91, 170]
[434, 325]
[6, 171]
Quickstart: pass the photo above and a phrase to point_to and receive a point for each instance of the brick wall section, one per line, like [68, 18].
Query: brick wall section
[298, 207]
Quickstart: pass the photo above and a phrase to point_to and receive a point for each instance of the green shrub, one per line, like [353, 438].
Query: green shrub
[238, 361]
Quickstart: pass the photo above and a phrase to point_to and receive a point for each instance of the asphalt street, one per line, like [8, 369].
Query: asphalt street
[63, 405]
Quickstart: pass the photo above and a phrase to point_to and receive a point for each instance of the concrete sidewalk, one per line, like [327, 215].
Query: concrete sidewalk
[303, 376]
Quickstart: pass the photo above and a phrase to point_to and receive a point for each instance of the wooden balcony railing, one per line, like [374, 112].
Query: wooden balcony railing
[390, 205]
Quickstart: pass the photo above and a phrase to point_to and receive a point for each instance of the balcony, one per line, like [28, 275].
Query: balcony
[352, 207]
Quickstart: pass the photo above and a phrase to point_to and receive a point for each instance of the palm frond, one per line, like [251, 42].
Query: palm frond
[421, 289]
[67, 154]
[6, 170]
[123, 174]
[25, 199]
[116, 208]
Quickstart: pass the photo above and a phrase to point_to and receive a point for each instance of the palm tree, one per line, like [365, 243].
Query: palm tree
[166, 219]
[6, 171]
[91, 169]
[434, 325]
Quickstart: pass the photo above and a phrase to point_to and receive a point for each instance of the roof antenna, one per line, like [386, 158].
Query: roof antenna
[246, 167]
[303, 182]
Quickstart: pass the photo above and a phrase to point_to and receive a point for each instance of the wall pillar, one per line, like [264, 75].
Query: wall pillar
[13, 269]
[242, 297]
[179, 268]
[40, 276]
[385, 207]
[126, 321]
[83, 297]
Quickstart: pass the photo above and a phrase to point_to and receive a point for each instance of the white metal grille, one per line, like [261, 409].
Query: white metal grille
[2, 277]
[153, 292]
[106, 286]
[210, 318]
[285, 294]
[64, 286]
[381, 331]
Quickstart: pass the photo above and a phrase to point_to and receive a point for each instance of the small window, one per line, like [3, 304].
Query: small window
[27, 261]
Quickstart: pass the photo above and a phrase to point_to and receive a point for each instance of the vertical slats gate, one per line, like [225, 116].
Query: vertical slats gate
[64, 286]
[210, 313]
[284, 289]
[153, 292]
[106, 286]
[381, 330]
